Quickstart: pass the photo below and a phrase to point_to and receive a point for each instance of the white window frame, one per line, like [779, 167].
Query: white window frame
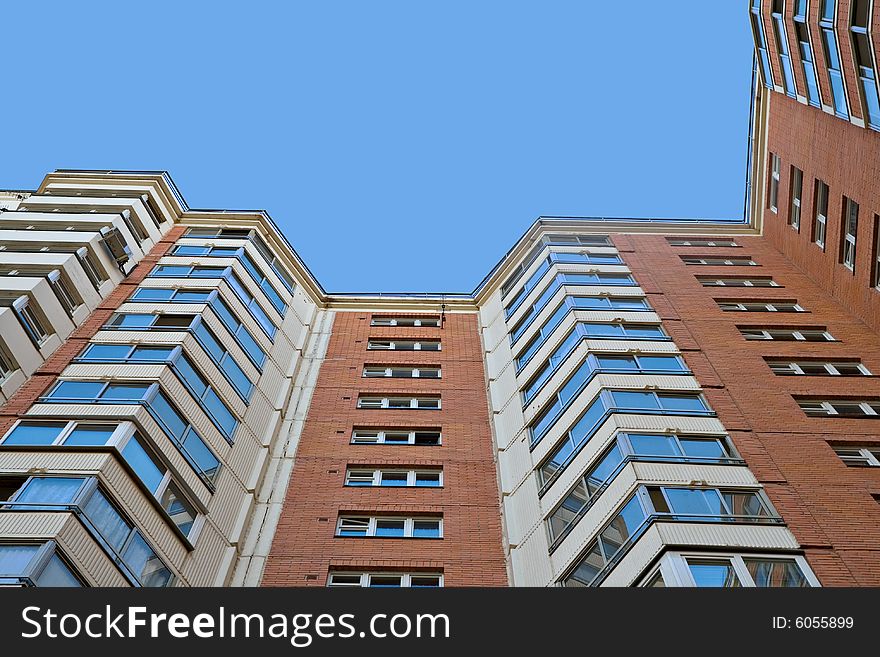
[370, 372]
[413, 403]
[373, 345]
[7, 365]
[869, 457]
[794, 217]
[432, 321]
[675, 571]
[376, 475]
[775, 173]
[703, 242]
[718, 262]
[381, 433]
[372, 521]
[830, 411]
[736, 282]
[876, 252]
[795, 368]
[754, 306]
[821, 219]
[848, 256]
[798, 335]
[405, 578]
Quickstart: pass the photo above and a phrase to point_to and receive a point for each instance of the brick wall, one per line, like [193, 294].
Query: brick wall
[48, 372]
[470, 553]
[828, 506]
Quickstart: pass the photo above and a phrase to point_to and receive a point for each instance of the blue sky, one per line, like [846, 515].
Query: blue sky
[402, 146]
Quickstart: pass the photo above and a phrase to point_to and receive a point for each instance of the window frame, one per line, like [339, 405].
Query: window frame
[372, 522]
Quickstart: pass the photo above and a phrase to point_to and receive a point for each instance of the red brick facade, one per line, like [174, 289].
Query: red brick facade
[470, 553]
[45, 376]
[829, 507]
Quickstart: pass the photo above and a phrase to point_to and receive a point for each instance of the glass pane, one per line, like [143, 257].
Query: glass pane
[34, 433]
[669, 363]
[14, 559]
[653, 445]
[171, 270]
[203, 457]
[106, 352]
[146, 565]
[77, 390]
[776, 573]
[108, 521]
[427, 479]
[426, 529]
[218, 411]
[153, 294]
[617, 362]
[394, 478]
[157, 354]
[419, 581]
[169, 417]
[385, 581]
[744, 503]
[626, 399]
[181, 511]
[147, 469]
[713, 574]
[681, 403]
[126, 391]
[389, 528]
[189, 375]
[50, 490]
[702, 448]
[90, 434]
[192, 295]
[694, 502]
[56, 573]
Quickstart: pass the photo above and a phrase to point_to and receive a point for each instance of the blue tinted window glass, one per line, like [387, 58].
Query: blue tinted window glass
[14, 559]
[189, 375]
[573, 385]
[590, 303]
[617, 362]
[127, 391]
[628, 304]
[262, 318]
[106, 352]
[187, 249]
[251, 347]
[645, 331]
[34, 433]
[149, 472]
[109, 522]
[192, 295]
[207, 272]
[209, 342]
[239, 379]
[702, 448]
[77, 390]
[56, 574]
[670, 363]
[90, 434]
[132, 320]
[170, 417]
[171, 270]
[716, 575]
[203, 457]
[694, 502]
[627, 399]
[603, 330]
[50, 490]
[153, 294]
[545, 421]
[682, 403]
[608, 464]
[151, 353]
[220, 413]
[423, 529]
[585, 425]
[653, 445]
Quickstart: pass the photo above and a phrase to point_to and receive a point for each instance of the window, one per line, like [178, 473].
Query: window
[848, 234]
[31, 321]
[144, 321]
[404, 345]
[36, 564]
[663, 503]
[429, 403]
[781, 39]
[740, 571]
[205, 395]
[178, 429]
[820, 218]
[66, 297]
[432, 478]
[627, 447]
[760, 306]
[605, 403]
[802, 34]
[390, 527]
[119, 535]
[775, 168]
[187, 271]
[817, 368]
[832, 57]
[224, 360]
[430, 320]
[739, 261]
[126, 353]
[385, 580]
[569, 303]
[761, 42]
[800, 334]
[598, 363]
[239, 331]
[796, 186]
[764, 281]
[401, 372]
[148, 468]
[7, 366]
[699, 241]
[170, 295]
[857, 457]
[840, 407]
[419, 437]
[863, 53]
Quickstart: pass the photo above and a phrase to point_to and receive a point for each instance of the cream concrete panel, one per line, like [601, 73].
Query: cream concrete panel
[243, 455]
[671, 423]
[529, 563]
[104, 205]
[684, 473]
[44, 222]
[260, 412]
[282, 352]
[636, 561]
[491, 309]
[226, 504]
[57, 461]
[268, 385]
[115, 371]
[497, 360]
[213, 374]
[17, 342]
[515, 463]
[587, 528]
[140, 337]
[71, 189]
[10, 384]
[508, 424]
[202, 568]
[155, 307]
[522, 511]
[494, 333]
[504, 389]
[195, 414]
